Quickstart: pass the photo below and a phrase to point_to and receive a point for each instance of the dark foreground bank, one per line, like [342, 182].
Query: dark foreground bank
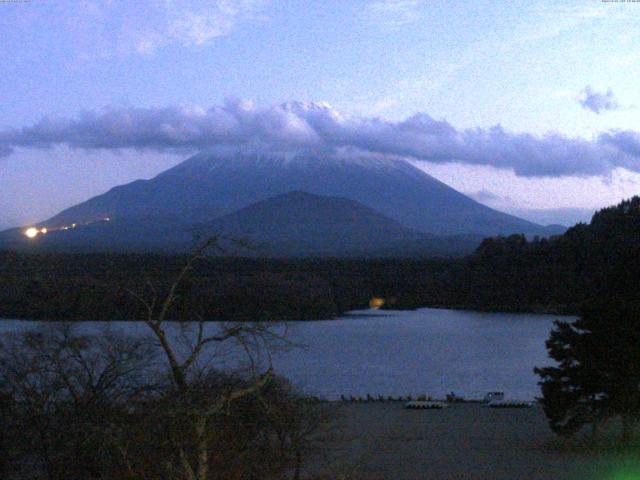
[465, 441]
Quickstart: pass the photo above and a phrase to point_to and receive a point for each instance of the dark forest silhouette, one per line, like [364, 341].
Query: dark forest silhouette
[512, 273]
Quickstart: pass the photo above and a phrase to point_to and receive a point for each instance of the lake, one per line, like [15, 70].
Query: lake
[430, 351]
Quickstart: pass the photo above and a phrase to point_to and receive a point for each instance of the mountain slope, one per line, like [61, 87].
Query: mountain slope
[300, 223]
[207, 186]
[124, 235]
[290, 225]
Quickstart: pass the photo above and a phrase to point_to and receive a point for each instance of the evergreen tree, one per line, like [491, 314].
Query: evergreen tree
[597, 376]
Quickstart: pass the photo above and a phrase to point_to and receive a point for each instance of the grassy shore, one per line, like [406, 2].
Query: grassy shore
[377, 441]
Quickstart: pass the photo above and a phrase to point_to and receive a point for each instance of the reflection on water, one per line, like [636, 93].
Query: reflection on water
[429, 351]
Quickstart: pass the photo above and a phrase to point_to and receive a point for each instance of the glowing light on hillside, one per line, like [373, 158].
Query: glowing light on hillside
[31, 232]
[376, 302]
[44, 230]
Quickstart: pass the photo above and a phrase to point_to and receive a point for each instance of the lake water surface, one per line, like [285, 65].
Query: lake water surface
[430, 351]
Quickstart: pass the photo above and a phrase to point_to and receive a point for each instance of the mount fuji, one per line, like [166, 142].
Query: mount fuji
[209, 189]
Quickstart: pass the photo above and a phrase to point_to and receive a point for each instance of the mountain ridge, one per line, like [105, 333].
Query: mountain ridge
[298, 223]
[408, 206]
[206, 186]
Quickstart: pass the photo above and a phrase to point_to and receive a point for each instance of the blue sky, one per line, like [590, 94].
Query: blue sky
[569, 68]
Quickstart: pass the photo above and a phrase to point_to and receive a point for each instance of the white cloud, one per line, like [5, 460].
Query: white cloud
[293, 126]
[143, 27]
[215, 19]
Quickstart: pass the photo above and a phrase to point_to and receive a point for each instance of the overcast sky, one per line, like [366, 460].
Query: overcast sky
[529, 107]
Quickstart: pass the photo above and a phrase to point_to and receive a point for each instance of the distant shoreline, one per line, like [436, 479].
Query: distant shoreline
[352, 314]
[76, 287]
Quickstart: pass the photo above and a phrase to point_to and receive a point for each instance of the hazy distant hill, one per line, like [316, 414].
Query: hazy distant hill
[300, 223]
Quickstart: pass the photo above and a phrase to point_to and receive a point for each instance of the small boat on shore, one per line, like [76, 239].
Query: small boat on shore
[509, 404]
[425, 405]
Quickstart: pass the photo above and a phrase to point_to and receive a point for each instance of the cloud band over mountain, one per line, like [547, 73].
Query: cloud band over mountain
[291, 127]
